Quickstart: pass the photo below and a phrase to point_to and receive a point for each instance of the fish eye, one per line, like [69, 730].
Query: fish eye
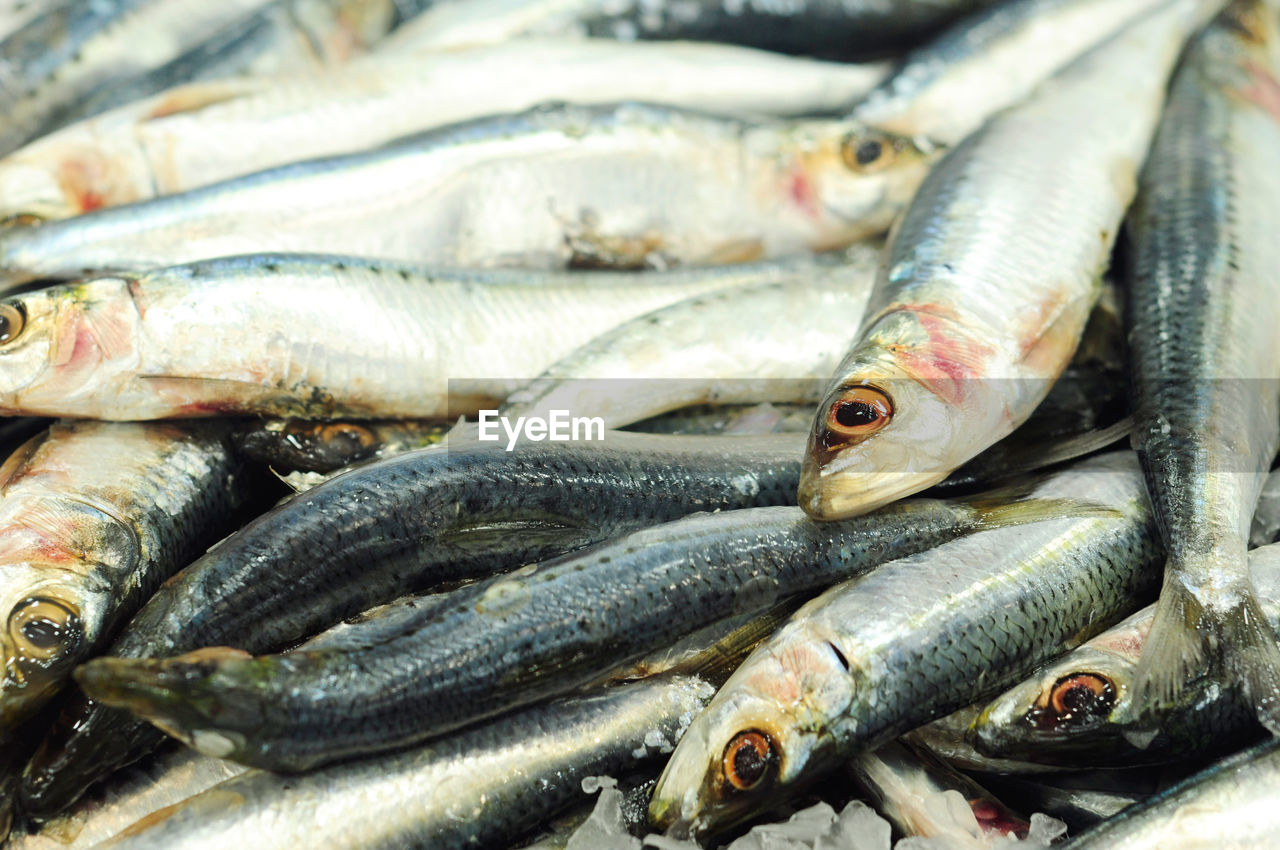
[346, 432]
[45, 628]
[21, 220]
[747, 759]
[859, 412]
[13, 318]
[1073, 701]
[867, 152]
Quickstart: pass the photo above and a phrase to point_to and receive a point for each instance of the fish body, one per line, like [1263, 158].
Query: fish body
[93, 516]
[416, 520]
[1204, 275]
[311, 336]
[965, 330]
[624, 186]
[922, 636]
[216, 129]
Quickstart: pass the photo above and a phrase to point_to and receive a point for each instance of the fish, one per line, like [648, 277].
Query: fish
[736, 345]
[301, 444]
[309, 336]
[617, 186]
[188, 136]
[965, 333]
[15, 13]
[947, 88]
[922, 636]
[407, 523]
[1228, 805]
[1265, 528]
[93, 516]
[72, 48]
[1077, 711]
[838, 29]
[1203, 275]
[763, 418]
[473, 658]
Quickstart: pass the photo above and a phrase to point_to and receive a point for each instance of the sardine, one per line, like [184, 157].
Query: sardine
[920, 637]
[611, 186]
[1230, 806]
[1078, 710]
[310, 336]
[965, 331]
[412, 521]
[1204, 276]
[93, 516]
[737, 345]
[197, 134]
[474, 659]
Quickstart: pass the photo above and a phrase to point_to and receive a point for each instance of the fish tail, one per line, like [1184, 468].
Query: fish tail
[1217, 633]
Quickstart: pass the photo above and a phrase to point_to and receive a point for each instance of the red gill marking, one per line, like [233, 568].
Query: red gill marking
[1265, 91]
[802, 192]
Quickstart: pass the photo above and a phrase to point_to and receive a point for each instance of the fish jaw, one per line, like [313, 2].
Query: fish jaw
[783, 696]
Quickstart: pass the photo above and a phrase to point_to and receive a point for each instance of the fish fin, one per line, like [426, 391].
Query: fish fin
[1017, 504]
[1079, 445]
[1190, 640]
[197, 96]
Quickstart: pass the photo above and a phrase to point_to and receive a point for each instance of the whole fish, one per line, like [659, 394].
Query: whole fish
[736, 345]
[293, 444]
[1229, 806]
[1204, 277]
[1078, 711]
[412, 521]
[197, 134]
[624, 186]
[920, 637]
[93, 516]
[965, 332]
[76, 46]
[948, 88]
[591, 611]
[836, 28]
[485, 785]
[311, 336]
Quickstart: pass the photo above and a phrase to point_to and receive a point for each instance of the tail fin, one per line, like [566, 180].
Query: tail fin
[1213, 632]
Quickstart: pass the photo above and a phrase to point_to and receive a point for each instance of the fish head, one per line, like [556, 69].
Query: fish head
[859, 177]
[43, 638]
[762, 734]
[1066, 714]
[910, 407]
[61, 344]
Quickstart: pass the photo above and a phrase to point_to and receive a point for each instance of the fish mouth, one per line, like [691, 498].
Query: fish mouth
[840, 494]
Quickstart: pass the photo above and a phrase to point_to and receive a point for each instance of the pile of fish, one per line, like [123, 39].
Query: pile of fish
[831, 424]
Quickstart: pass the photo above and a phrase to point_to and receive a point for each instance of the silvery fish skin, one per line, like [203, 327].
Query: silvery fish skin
[473, 659]
[197, 134]
[945, 738]
[921, 795]
[965, 332]
[1204, 273]
[1265, 528]
[77, 46]
[837, 28]
[735, 345]
[282, 35]
[624, 185]
[1078, 711]
[482, 786]
[1230, 806]
[309, 336]
[93, 516]
[877, 656]
[15, 13]
[301, 444]
[401, 524]
[948, 88]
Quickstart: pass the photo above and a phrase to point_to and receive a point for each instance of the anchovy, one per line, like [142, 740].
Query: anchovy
[730, 346]
[965, 332]
[483, 786]
[948, 88]
[879, 655]
[419, 519]
[1205, 366]
[93, 516]
[474, 659]
[1078, 711]
[193, 135]
[1229, 805]
[623, 186]
[311, 336]
[77, 46]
